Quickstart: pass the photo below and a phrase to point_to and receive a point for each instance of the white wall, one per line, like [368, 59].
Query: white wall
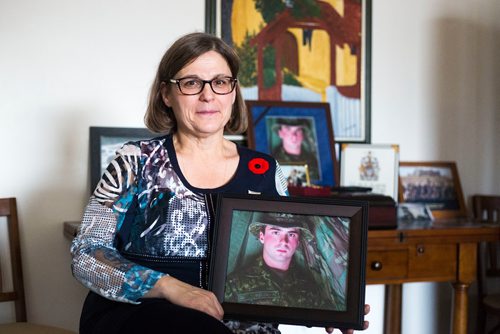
[67, 65]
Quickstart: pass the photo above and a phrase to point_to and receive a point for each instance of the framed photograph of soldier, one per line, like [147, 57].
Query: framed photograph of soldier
[296, 174]
[291, 260]
[103, 143]
[295, 132]
[370, 165]
[314, 51]
[435, 184]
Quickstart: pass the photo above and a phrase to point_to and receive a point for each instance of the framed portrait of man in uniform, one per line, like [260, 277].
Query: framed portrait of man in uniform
[294, 260]
[296, 133]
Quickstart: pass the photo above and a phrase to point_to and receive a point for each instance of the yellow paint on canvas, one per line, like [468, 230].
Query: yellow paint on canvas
[338, 5]
[345, 66]
[245, 18]
[314, 62]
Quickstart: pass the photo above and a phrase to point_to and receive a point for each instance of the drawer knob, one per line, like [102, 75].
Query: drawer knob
[376, 265]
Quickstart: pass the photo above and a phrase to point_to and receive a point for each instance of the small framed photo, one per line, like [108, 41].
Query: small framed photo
[296, 132]
[370, 165]
[435, 184]
[104, 141]
[291, 260]
[297, 175]
[414, 212]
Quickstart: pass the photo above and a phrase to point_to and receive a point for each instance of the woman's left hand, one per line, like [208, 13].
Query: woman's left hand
[351, 331]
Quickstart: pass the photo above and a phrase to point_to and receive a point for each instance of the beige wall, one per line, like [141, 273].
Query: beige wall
[68, 65]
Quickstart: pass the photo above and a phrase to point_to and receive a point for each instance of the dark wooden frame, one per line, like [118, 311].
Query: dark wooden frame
[215, 23]
[357, 213]
[119, 136]
[260, 111]
[458, 209]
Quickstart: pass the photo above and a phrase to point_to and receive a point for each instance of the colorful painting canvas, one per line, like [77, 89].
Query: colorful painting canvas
[303, 50]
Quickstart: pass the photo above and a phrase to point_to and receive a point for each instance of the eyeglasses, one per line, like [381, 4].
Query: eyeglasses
[194, 86]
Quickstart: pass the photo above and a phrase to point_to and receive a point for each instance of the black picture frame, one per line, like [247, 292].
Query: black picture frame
[318, 146]
[327, 224]
[349, 26]
[103, 143]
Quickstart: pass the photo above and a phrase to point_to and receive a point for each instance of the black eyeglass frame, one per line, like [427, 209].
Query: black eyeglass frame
[209, 82]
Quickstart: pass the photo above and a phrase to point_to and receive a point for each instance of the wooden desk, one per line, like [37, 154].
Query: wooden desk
[439, 252]
[415, 252]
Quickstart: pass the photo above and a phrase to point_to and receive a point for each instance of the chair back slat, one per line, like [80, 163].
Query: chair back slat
[486, 208]
[7, 296]
[8, 209]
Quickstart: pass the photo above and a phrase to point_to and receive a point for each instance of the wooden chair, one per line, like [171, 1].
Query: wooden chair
[8, 209]
[487, 208]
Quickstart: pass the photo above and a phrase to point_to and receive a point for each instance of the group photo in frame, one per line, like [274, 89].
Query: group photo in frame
[103, 143]
[291, 260]
[316, 51]
[435, 184]
[370, 165]
[295, 132]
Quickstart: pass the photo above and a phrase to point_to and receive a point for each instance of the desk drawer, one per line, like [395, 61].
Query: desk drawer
[433, 261]
[391, 264]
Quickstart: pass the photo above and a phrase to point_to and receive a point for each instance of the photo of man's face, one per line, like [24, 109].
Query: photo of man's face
[279, 245]
[294, 140]
[292, 137]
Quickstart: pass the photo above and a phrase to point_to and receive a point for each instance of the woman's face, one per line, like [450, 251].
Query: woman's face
[206, 113]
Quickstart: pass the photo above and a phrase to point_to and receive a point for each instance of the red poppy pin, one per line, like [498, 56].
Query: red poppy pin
[258, 165]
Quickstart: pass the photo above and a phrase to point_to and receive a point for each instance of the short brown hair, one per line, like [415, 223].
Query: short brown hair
[159, 117]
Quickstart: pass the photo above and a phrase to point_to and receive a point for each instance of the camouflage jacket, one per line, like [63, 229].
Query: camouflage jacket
[259, 284]
[305, 157]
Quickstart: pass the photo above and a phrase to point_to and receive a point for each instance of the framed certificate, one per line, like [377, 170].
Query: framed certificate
[370, 165]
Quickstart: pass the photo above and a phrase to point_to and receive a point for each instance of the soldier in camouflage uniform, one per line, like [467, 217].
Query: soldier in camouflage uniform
[296, 146]
[275, 277]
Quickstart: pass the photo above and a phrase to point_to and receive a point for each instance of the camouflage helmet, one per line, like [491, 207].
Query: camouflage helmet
[287, 220]
[291, 121]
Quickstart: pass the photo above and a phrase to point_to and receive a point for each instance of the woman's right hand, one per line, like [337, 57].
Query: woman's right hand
[186, 295]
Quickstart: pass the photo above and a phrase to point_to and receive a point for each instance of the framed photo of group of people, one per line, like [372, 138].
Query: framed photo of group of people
[291, 260]
[435, 184]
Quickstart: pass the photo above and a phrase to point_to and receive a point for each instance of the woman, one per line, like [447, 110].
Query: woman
[143, 245]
